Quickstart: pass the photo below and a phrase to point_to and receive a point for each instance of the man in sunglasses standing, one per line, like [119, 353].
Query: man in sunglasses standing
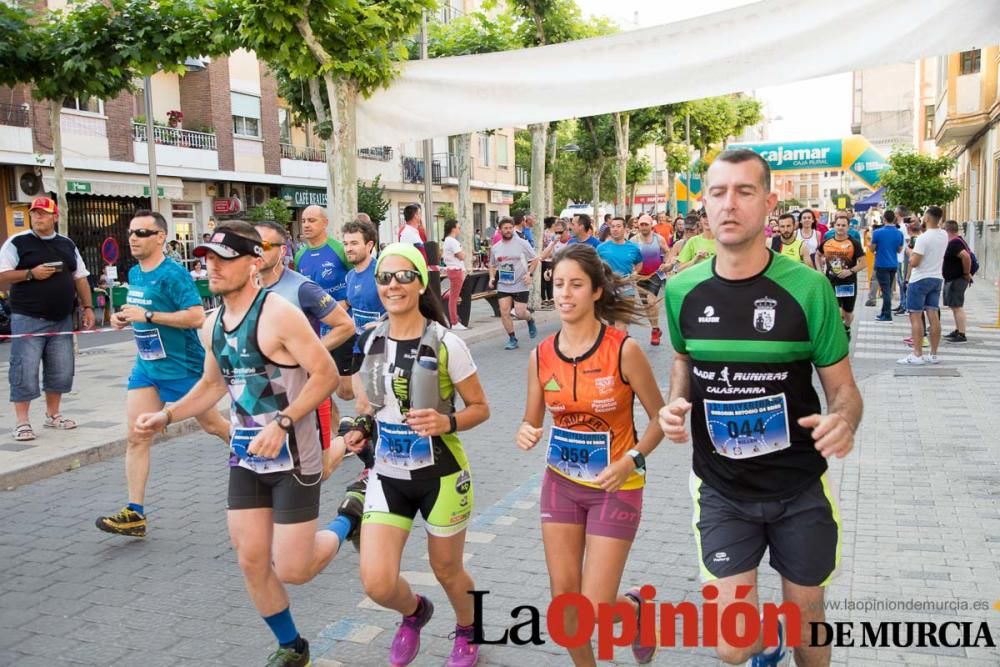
[164, 309]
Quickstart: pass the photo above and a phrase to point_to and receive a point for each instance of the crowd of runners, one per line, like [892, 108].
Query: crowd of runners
[749, 314]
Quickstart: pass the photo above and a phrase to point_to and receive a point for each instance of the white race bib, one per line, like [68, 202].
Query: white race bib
[150, 344]
[579, 455]
[399, 446]
[748, 428]
[241, 438]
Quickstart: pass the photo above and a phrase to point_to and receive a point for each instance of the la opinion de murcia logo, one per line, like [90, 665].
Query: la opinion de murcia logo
[763, 314]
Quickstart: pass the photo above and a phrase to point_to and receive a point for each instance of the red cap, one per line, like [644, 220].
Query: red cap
[44, 204]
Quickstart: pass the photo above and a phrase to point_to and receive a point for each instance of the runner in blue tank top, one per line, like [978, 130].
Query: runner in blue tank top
[267, 357]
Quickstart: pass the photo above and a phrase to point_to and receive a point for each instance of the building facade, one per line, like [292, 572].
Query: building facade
[224, 142]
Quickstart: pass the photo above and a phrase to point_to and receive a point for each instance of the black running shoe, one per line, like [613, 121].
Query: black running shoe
[957, 338]
[126, 522]
[286, 657]
[353, 506]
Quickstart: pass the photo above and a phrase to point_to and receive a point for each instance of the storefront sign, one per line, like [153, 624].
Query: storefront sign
[159, 191]
[501, 197]
[302, 197]
[227, 206]
[78, 187]
[19, 218]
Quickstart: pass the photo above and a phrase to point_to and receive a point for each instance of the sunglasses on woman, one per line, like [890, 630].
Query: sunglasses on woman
[403, 277]
[143, 233]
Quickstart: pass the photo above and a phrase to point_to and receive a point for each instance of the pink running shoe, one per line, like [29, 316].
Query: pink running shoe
[406, 643]
[463, 653]
[642, 654]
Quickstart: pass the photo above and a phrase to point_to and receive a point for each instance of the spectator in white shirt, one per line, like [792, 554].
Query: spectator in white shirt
[454, 262]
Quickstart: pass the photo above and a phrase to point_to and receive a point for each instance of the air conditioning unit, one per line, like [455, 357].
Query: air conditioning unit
[27, 185]
[259, 194]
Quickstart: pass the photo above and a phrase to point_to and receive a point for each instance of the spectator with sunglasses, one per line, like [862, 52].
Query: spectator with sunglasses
[413, 369]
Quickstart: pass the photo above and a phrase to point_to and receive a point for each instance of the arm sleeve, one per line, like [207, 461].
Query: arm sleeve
[81, 268]
[338, 248]
[460, 363]
[185, 292]
[829, 339]
[315, 301]
[672, 302]
[8, 256]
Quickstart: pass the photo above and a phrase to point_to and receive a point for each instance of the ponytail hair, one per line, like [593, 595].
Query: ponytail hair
[611, 307]
[431, 308]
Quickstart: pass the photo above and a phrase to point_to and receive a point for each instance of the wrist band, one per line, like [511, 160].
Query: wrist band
[169, 414]
[365, 424]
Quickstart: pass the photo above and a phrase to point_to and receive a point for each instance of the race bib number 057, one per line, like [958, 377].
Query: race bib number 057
[400, 446]
[748, 428]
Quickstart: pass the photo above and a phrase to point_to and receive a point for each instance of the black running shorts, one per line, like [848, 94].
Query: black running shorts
[293, 497]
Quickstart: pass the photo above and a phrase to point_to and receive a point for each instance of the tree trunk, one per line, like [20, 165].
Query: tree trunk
[538, 132]
[343, 167]
[595, 183]
[322, 117]
[55, 115]
[463, 156]
[672, 191]
[621, 145]
[549, 175]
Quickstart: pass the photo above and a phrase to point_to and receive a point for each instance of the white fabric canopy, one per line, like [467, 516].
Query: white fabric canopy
[761, 44]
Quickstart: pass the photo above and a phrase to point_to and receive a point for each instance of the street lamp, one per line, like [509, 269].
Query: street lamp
[191, 65]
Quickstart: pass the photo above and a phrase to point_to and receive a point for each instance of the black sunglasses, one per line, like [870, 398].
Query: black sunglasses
[403, 276]
[144, 233]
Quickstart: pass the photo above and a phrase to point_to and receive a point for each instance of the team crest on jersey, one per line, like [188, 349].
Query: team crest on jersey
[763, 314]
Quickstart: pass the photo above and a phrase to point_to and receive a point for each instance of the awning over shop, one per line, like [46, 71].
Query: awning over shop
[874, 199]
[110, 184]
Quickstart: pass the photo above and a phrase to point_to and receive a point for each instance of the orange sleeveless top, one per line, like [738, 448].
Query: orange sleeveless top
[589, 394]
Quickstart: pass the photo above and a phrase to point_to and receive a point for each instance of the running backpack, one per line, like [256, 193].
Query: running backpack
[975, 260]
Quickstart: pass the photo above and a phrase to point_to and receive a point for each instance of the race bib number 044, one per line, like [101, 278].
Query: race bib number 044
[579, 455]
[748, 428]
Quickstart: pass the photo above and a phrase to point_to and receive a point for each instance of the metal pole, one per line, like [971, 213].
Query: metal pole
[151, 145]
[687, 140]
[428, 153]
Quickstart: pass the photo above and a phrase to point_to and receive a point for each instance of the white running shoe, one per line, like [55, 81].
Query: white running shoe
[911, 360]
[459, 327]
[933, 359]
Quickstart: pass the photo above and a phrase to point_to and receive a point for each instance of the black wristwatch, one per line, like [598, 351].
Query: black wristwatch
[29, 276]
[285, 422]
[149, 317]
[453, 422]
[639, 459]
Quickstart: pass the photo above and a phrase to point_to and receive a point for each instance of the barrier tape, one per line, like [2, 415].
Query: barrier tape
[62, 333]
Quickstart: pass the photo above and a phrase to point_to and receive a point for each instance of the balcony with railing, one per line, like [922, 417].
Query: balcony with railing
[307, 153]
[380, 153]
[413, 170]
[176, 147]
[175, 136]
[522, 176]
[15, 115]
[15, 128]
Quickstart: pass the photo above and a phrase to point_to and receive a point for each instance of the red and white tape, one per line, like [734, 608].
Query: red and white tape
[63, 333]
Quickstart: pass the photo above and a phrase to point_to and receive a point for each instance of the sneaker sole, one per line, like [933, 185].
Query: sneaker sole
[135, 531]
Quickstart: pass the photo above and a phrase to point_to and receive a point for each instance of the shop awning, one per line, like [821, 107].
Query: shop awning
[109, 184]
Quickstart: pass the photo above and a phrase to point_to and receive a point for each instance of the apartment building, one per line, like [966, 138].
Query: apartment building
[958, 102]
[883, 101]
[224, 142]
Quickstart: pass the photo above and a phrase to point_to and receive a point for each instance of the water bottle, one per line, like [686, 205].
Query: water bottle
[424, 387]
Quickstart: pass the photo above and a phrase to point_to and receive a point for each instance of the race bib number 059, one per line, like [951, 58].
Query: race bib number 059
[579, 455]
[748, 428]
[240, 441]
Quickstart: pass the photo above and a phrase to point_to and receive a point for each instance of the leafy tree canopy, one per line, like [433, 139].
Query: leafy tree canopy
[915, 180]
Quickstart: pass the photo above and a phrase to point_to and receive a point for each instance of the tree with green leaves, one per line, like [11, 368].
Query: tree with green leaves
[100, 49]
[275, 209]
[371, 200]
[638, 170]
[595, 137]
[466, 35]
[632, 130]
[915, 180]
[339, 50]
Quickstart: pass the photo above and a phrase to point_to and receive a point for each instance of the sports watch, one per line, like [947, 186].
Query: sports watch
[149, 317]
[639, 459]
[284, 422]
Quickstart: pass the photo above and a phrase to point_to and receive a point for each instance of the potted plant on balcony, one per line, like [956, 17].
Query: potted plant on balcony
[174, 118]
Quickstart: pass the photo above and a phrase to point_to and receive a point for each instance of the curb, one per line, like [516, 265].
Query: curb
[70, 461]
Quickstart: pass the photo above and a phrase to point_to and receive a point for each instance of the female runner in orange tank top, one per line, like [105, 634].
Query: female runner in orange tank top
[588, 375]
